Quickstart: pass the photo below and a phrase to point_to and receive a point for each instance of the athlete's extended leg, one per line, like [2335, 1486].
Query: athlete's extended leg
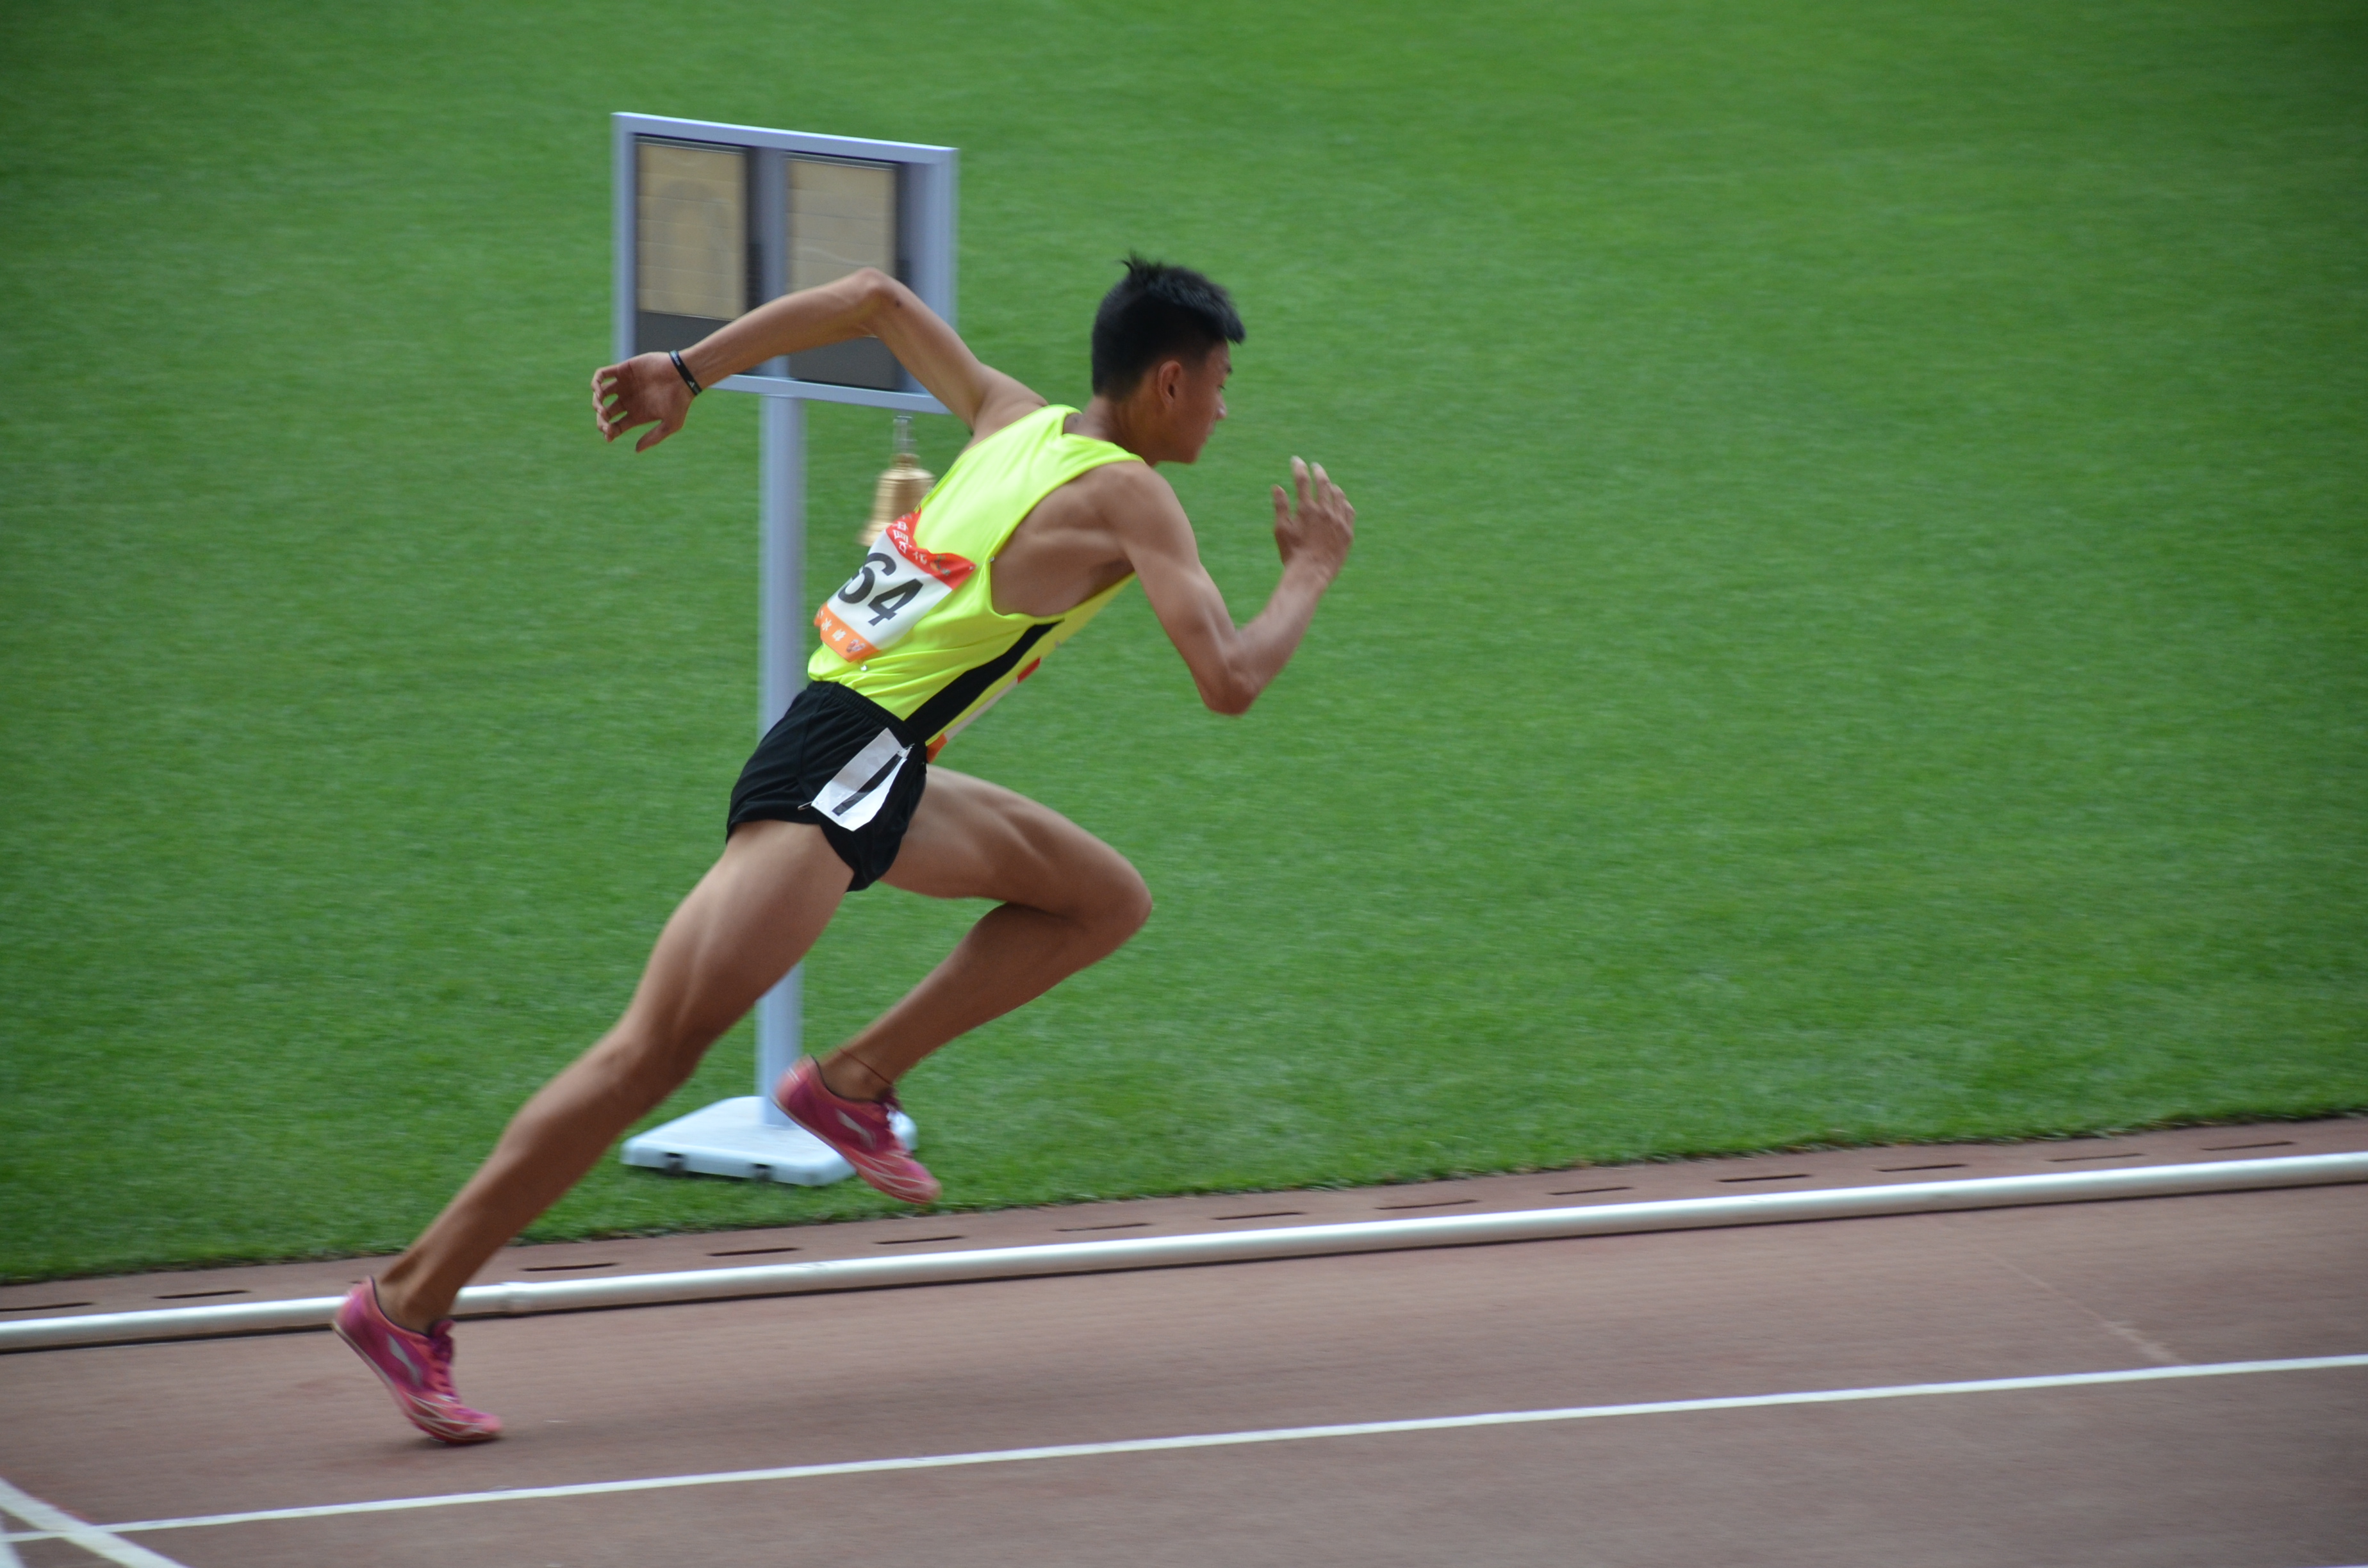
[753, 916]
[1066, 900]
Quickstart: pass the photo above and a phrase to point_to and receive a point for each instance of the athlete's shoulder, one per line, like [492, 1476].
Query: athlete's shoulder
[1007, 401]
[1132, 499]
[1123, 480]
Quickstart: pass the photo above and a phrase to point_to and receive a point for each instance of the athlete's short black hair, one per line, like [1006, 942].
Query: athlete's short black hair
[1158, 312]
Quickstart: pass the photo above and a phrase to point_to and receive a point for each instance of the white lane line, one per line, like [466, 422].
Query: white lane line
[56, 1524]
[1230, 1440]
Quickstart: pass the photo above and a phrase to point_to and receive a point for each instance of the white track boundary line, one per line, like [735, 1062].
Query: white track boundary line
[1234, 1247]
[56, 1524]
[1233, 1440]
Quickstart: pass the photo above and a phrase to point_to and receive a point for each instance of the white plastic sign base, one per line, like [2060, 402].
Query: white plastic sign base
[732, 1138]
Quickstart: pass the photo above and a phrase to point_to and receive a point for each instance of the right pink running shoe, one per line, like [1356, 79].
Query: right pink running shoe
[858, 1129]
[415, 1368]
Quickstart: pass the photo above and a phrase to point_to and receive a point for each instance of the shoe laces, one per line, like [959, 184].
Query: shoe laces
[439, 1365]
[886, 1103]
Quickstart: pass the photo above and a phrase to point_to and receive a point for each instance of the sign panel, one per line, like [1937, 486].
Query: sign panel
[690, 245]
[842, 216]
[713, 219]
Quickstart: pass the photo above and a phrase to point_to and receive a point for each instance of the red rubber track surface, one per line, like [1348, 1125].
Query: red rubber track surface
[2261, 1470]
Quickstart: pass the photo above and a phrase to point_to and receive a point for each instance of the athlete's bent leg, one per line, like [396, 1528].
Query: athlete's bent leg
[753, 916]
[1066, 900]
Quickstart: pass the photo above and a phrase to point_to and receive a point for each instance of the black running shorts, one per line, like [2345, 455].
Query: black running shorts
[842, 762]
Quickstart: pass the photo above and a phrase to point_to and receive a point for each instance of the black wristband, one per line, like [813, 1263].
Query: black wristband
[684, 372]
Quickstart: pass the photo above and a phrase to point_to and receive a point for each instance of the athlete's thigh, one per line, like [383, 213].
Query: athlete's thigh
[757, 910]
[972, 839]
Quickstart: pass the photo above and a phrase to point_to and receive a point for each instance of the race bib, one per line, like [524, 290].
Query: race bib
[896, 586]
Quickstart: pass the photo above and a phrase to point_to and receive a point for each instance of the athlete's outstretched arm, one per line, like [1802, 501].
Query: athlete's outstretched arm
[1231, 664]
[864, 304]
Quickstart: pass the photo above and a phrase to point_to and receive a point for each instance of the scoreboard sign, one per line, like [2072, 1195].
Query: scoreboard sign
[714, 219]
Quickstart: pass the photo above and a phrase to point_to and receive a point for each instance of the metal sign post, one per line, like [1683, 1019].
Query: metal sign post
[710, 222]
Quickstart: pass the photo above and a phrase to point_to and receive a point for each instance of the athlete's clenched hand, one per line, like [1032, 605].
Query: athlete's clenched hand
[1316, 532]
[645, 388]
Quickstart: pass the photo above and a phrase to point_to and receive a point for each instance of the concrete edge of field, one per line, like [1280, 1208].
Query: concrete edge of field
[519, 1299]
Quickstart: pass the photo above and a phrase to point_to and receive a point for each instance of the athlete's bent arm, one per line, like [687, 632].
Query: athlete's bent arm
[865, 303]
[1231, 664]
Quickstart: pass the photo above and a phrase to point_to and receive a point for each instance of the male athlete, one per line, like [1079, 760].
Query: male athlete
[1036, 526]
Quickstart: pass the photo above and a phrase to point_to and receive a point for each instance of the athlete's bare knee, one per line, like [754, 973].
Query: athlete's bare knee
[645, 1054]
[1122, 904]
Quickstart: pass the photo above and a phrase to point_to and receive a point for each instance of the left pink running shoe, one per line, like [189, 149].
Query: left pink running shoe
[415, 1368]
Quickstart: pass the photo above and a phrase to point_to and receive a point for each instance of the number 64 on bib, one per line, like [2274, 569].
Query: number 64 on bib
[898, 584]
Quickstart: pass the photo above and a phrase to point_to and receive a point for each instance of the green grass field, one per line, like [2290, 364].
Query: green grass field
[1860, 630]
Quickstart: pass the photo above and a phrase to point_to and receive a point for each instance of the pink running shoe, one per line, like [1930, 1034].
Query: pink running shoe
[415, 1368]
[858, 1129]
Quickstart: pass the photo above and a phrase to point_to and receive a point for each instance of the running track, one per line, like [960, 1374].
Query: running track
[750, 1432]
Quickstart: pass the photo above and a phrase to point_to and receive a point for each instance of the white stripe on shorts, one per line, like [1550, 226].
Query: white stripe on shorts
[853, 798]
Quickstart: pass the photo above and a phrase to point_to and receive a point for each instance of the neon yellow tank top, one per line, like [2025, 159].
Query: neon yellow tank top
[915, 629]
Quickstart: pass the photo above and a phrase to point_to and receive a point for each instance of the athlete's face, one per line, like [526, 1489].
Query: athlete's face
[1199, 401]
[1189, 401]
[1168, 416]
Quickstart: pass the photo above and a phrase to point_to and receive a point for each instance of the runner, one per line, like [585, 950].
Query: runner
[1044, 517]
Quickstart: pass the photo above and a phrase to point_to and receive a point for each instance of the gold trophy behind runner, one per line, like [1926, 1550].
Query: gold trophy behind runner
[902, 485]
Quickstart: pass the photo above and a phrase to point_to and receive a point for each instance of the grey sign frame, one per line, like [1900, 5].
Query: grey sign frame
[926, 178]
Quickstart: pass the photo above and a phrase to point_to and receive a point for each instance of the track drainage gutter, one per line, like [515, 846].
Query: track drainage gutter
[1238, 1246]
